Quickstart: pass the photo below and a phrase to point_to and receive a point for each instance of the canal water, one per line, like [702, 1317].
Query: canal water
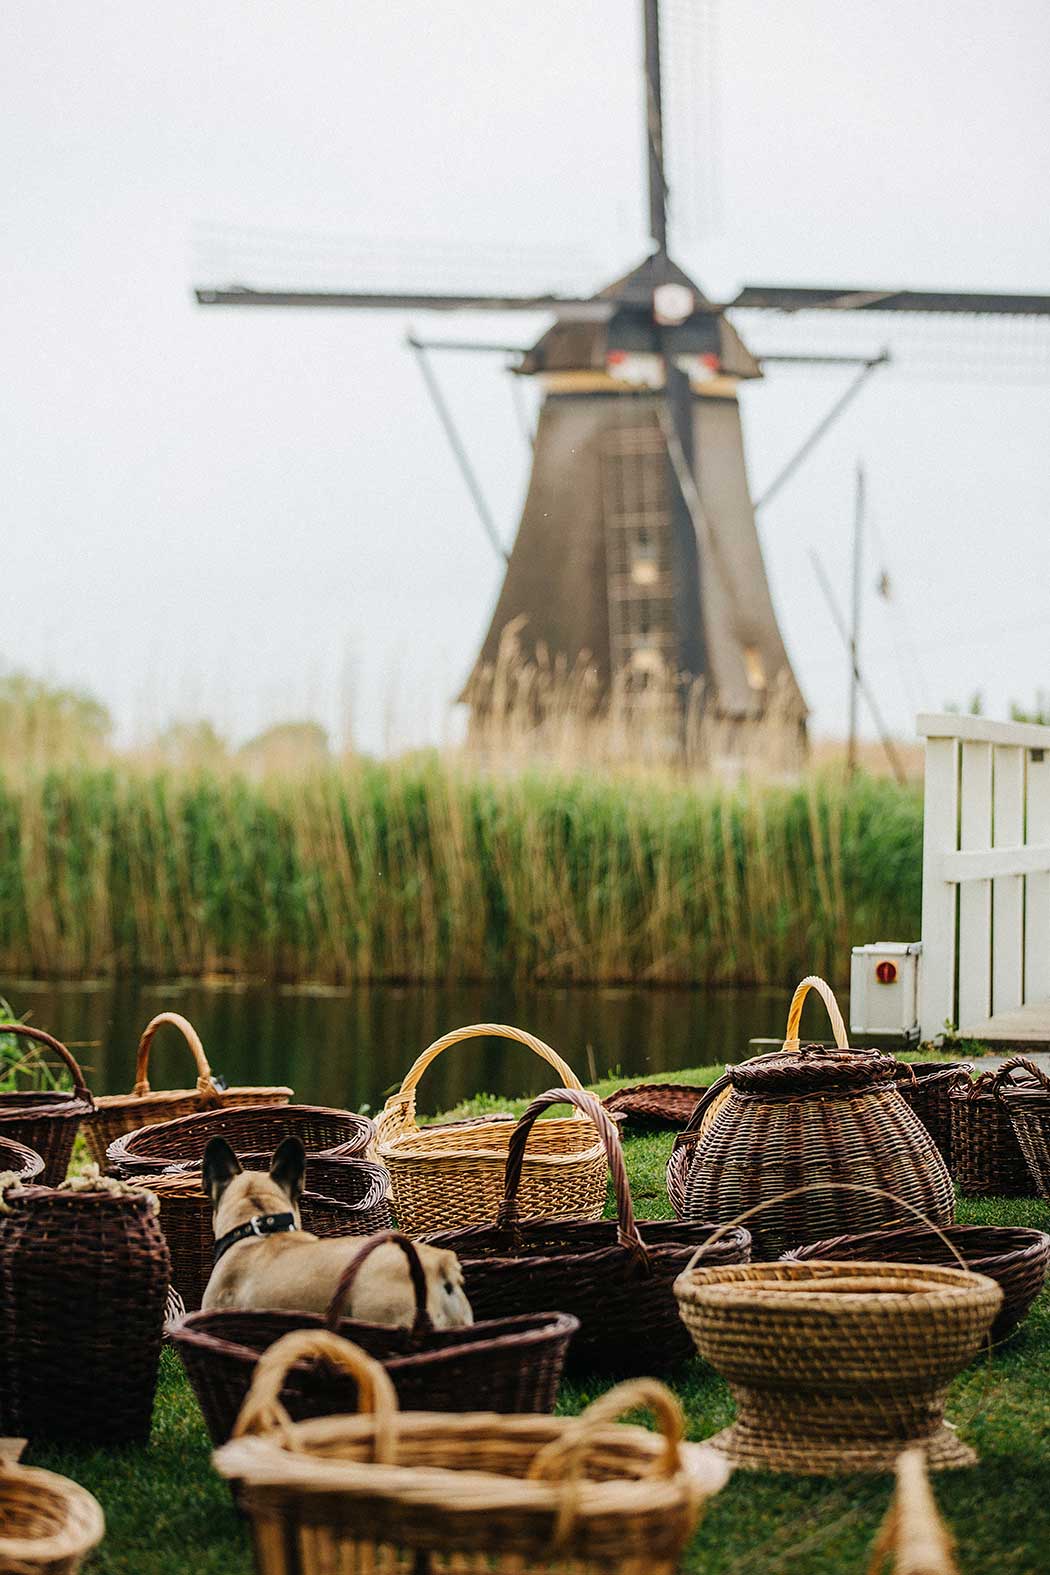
[351, 1048]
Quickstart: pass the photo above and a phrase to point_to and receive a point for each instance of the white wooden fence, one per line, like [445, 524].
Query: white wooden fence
[985, 870]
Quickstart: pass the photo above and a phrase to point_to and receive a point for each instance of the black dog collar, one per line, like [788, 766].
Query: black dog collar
[258, 1225]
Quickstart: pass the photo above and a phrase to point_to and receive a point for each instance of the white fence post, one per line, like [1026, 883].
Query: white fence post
[939, 836]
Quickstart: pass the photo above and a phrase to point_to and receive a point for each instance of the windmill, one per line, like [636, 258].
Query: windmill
[637, 553]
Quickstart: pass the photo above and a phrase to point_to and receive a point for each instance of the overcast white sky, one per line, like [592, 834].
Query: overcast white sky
[253, 514]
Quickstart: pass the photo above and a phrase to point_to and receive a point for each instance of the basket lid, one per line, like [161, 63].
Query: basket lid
[812, 1069]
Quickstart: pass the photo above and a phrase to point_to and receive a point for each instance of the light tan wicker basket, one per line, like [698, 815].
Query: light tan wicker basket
[48, 1524]
[390, 1492]
[116, 1114]
[446, 1176]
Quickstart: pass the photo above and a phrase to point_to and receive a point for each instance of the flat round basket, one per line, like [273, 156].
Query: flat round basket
[448, 1176]
[987, 1159]
[838, 1366]
[186, 1218]
[508, 1364]
[655, 1104]
[250, 1129]
[1016, 1258]
[613, 1275]
[46, 1122]
[406, 1490]
[48, 1525]
[145, 1106]
[17, 1161]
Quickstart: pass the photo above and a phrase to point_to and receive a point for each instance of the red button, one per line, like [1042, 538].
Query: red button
[886, 972]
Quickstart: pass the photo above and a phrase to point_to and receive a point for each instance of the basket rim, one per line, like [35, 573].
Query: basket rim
[741, 1285]
[1036, 1245]
[53, 1104]
[70, 1540]
[148, 1182]
[734, 1237]
[160, 1096]
[387, 1149]
[20, 1153]
[125, 1146]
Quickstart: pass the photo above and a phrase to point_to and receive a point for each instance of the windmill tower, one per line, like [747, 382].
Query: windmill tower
[637, 555]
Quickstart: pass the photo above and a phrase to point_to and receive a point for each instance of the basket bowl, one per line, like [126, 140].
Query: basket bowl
[253, 1129]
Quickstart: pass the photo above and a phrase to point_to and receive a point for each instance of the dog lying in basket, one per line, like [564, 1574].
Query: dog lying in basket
[265, 1260]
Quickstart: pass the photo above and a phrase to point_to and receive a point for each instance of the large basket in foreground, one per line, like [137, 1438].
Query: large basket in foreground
[186, 1214]
[508, 1364]
[815, 1115]
[83, 1283]
[1016, 1258]
[838, 1366]
[391, 1492]
[613, 1275]
[116, 1114]
[452, 1175]
[48, 1525]
[46, 1122]
[249, 1129]
[987, 1159]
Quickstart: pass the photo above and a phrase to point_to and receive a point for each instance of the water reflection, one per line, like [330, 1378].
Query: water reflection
[350, 1048]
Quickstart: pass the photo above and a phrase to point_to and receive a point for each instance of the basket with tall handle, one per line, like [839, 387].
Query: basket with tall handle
[386, 1490]
[446, 1176]
[47, 1122]
[146, 1106]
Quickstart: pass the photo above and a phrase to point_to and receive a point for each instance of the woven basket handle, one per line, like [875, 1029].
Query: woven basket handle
[838, 1027]
[262, 1411]
[702, 1106]
[399, 1111]
[1018, 1063]
[565, 1456]
[590, 1107]
[422, 1324]
[23, 1031]
[205, 1087]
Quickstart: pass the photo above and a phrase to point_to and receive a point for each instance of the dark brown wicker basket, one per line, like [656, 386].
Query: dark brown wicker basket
[654, 1104]
[46, 1122]
[251, 1129]
[1029, 1110]
[16, 1160]
[1014, 1256]
[510, 1364]
[987, 1160]
[186, 1216]
[926, 1086]
[83, 1284]
[616, 1280]
[683, 1150]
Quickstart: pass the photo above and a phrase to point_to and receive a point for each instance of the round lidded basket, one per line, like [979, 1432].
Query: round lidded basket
[85, 1277]
[252, 1129]
[48, 1524]
[615, 1276]
[987, 1159]
[447, 1176]
[19, 1163]
[47, 1122]
[509, 1364]
[146, 1107]
[1014, 1256]
[807, 1114]
[392, 1490]
[838, 1367]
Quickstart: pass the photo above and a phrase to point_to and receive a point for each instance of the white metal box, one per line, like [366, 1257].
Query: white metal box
[884, 988]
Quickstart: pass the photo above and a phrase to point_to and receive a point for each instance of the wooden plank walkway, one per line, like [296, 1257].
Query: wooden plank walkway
[1026, 1027]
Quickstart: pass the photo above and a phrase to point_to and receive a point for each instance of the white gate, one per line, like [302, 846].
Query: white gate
[985, 871]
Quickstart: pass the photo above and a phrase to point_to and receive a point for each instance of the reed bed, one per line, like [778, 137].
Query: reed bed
[429, 868]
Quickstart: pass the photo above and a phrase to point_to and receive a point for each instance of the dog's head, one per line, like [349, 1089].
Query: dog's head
[237, 1194]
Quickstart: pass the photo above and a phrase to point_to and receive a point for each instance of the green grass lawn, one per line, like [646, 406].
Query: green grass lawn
[166, 1511]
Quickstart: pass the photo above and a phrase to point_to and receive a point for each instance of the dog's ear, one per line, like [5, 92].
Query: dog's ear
[287, 1167]
[218, 1168]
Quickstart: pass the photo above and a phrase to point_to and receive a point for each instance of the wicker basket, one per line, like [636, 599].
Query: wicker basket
[683, 1150]
[385, 1492]
[1029, 1110]
[18, 1162]
[46, 1122]
[444, 1177]
[654, 1104]
[250, 1129]
[186, 1217]
[48, 1525]
[84, 1277]
[116, 1114]
[617, 1283]
[510, 1364]
[926, 1086]
[1016, 1258]
[815, 1115]
[838, 1366]
[987, 1159]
